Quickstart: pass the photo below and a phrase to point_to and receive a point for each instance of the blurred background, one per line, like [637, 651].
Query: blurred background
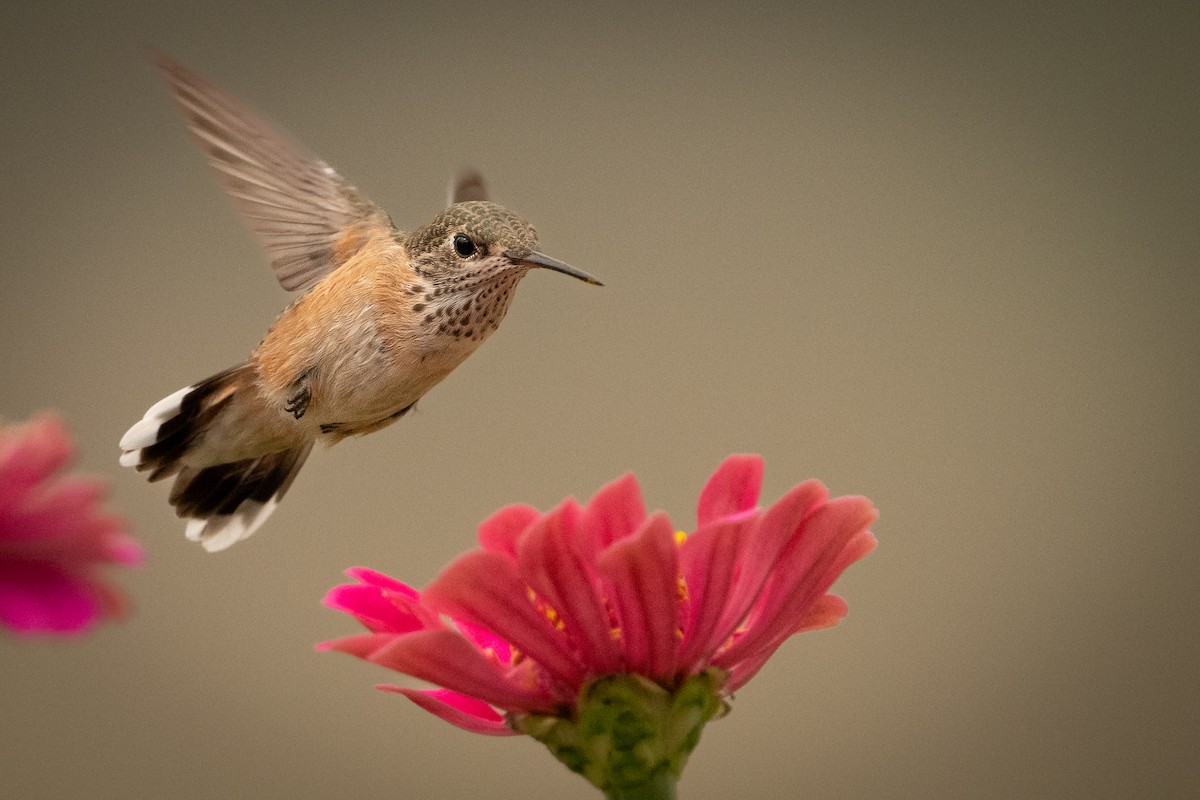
[945, 258]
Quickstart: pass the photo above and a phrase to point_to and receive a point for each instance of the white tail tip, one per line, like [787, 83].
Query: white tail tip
[218, 533]
[144, 432]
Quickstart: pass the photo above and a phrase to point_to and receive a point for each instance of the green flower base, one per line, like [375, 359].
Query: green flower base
[631, 738]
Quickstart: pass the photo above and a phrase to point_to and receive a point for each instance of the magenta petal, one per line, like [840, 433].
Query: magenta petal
[614, 512]
[459, 710]
[359, 645]
[484, 588]
[642, 575]
[555, 571]
[70, 542]
[826, 612]
[378, 609]
[125, 550]
[381, 603]
[64, 509]
[30, 454]
[447, 659]
[44, 598]
[709, 563]
[373, 578]
[726, 562]
[828, 541]
[61, 522]
[806, 597]
[54, 535]
[486, 641]
[733, 488]
[499, 532]
[759, 549]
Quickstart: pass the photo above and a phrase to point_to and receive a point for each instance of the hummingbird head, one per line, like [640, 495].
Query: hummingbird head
[469, 259]
[479, 241]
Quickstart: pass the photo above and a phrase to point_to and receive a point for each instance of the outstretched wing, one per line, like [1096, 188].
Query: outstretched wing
[307, 216]
[467, 185]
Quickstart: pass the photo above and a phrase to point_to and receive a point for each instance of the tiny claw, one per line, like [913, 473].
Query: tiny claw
[297, 404]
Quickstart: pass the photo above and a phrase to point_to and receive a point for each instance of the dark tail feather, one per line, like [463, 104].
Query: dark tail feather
[158, 441]
[223, 503]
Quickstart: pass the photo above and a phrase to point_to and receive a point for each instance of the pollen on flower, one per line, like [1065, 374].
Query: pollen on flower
[547, 611]
[733, 637]
[680, 538]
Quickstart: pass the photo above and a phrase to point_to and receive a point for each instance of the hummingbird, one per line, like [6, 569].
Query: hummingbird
[382, 317]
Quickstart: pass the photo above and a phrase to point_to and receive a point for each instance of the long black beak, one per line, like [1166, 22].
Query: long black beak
[543, 260]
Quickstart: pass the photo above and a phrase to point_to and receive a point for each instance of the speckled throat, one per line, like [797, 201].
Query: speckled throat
[471, 304]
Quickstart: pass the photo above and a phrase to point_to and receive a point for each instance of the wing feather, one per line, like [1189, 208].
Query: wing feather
[295, 203]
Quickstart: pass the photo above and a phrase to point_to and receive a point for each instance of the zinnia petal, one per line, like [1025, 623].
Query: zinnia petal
[826, 612]
[808, 566]
[743, 558]
[485, 588]
[37, 598]
[373, 578]
[54, 535]
[359, 645]
[447, 659]
[733, 488]
[30, 454]
[757, 553]
[380, 610]
[641, 574]
[488, 643]
[709, 562]
[459, 710]
[123, 549]
[499, 532]
[59, 509]
[555, 571]
[614, 512]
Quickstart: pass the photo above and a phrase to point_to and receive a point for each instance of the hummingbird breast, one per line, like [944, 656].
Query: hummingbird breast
[372, 338]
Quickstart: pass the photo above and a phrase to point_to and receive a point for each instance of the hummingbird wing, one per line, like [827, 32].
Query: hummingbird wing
[309, 218]
[466, 185]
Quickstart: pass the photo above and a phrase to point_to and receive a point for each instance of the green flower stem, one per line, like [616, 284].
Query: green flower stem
[628, 736]
[660, 786]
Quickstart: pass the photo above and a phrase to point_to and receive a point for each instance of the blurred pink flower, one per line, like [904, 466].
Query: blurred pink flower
[551, 602]
[54, 535]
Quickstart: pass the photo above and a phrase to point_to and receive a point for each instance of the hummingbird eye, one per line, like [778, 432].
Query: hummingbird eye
[463, 245]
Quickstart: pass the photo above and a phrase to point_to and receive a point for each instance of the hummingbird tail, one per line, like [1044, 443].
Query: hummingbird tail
[223, 503]
[171, 427]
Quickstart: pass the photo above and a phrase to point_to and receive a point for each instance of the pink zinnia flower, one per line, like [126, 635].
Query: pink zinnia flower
[54, 535]
[521, 631]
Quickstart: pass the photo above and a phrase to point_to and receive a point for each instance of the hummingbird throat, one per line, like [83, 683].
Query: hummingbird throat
[469, 306]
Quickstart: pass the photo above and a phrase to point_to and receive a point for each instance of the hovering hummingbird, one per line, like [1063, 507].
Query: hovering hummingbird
[383, 317]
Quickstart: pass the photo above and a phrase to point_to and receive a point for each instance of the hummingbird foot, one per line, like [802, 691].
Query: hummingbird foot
[297, 404]
[341, 430]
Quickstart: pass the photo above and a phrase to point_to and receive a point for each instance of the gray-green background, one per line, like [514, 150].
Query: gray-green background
[941, 256]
